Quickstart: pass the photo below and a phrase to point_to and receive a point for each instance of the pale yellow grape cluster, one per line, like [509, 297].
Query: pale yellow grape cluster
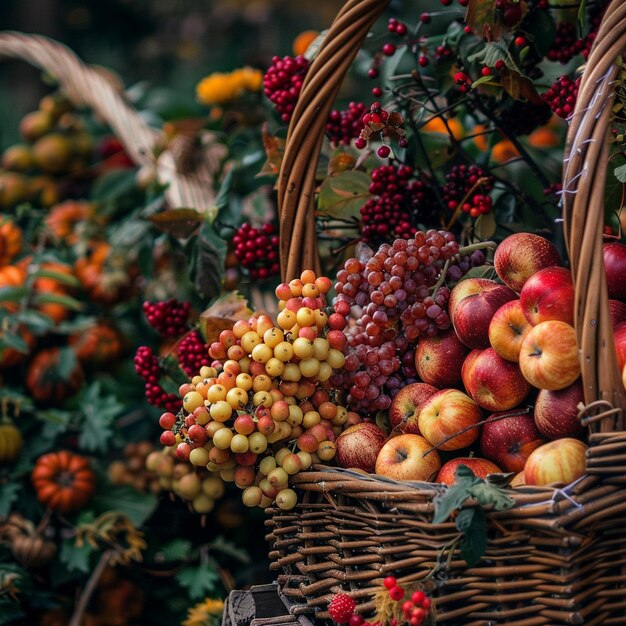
[272, 392]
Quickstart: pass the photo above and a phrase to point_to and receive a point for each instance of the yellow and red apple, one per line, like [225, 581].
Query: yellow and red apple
[358, 446]
[549, 295]
[481, 468]
[405, 458]
[404, 409]
[557, 462]
[507, 330]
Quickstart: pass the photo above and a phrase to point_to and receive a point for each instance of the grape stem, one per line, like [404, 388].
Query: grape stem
[489, 420]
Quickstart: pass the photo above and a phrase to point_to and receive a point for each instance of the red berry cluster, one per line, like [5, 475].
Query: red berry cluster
[148, 367]
[463, 81]
[397, 28]
[168, 317]
[193, 353]
[381, 124]
[416, 609]
[566, 43]
[257, 250]
[343, 126]
[510, 12]
[398, 203]
[463, 179]
[562, 95]
[443, 53]
[282, 83]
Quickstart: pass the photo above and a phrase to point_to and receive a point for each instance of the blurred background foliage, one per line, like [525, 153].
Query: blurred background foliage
[169, 43]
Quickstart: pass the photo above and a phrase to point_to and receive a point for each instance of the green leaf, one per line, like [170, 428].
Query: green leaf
[177, 550]
[67, 363]
[99, 412]
[74, 557]
[492, 52]
[13, 340]
[198, 581]
[57, 298]
[455, 496]
[222, 201]
[59, 277]
[113, 185]
[344, 194]
[620, 173]
[581, 12]
[208, 270]
[137, 506]
[490, 495]
[473, 524]
[12, 294]
[8, 495]
[481, 271]
[482, 80]
[485, 226]
[36, 321]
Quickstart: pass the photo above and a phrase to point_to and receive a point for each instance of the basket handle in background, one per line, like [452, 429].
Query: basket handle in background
[296, 179]
[90, 87]
[584, 179]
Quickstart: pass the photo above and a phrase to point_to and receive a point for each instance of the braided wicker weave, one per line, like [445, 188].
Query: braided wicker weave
[559, 556]
[95, 88]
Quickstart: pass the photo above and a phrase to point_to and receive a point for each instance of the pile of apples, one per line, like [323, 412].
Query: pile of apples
[500, 391]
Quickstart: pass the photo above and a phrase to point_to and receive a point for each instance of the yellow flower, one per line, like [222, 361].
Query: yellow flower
[219, 87]
[205, 613]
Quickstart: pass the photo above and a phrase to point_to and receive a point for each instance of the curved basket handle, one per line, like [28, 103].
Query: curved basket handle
[90, 87]
[296, 179]
[584, 179]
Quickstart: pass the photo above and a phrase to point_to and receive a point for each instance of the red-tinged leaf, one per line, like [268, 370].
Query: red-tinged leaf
[519, 87]
[343, 195]
[480, 16]
[222, 314]
[274, 149]
[178, 222]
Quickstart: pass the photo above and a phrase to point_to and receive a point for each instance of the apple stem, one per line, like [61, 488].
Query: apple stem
[489, 420]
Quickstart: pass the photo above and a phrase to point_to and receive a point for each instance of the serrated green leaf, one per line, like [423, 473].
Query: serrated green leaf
[66, 363]
[208, 269]
[12, 294]
[57, 298]
[75, 557]
[344, 194]
[136, 505]
[492, 496]
[473, 524]
[13, 340]
[176, 550]
[8, 495]
[59, 277]
[620, 173]
[98, 412]
[198, 581]
[492, 52]
[455, 496]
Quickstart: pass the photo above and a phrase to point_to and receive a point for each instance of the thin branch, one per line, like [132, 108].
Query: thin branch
[85, 596]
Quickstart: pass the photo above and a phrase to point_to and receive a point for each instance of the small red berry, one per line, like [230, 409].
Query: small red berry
[356, 620]
[519, 41]
[401, 29]
[418, 597]
[396, 593]
[390, 582]
[377, 91]
[467, 29]
[425, 18]
[360, 143]
[423, 61]
[499, 65]
[383, 152]
[426, 602]
[341, 608]
[486, 71]
[372, 72]
[389, 49]
[407, 606]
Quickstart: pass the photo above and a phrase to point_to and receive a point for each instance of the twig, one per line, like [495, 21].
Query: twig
[85, 596]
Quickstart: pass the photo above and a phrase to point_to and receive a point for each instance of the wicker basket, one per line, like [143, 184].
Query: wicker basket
[559, 556]
[99, 90]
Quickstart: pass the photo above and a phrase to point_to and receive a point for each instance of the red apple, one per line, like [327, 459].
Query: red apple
[461, 290]
[549, 356]
[507, 330]
[403, 458]
[617, 310]
[493, 382]
[521, 255]
[615, 269]
[447, 412]
[480, 467]
[556, 412]
[359, 445]
[619, 337]
[473, 313]
[509, 441]
[403, 412]
[439, 359]
[549, 295]
[558, 462]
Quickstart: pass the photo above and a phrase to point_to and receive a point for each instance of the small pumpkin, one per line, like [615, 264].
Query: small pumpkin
[10, 240]
[44, 381]
[70, 220]
[100, 343]
[64, 481]
[28, 546]
[11, 442]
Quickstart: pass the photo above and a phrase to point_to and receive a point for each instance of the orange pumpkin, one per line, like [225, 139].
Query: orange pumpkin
[10, 240]
[64, 481]
[44, 382]
[105, 277]
[66, 218]
[12, 276]
[97, 344]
